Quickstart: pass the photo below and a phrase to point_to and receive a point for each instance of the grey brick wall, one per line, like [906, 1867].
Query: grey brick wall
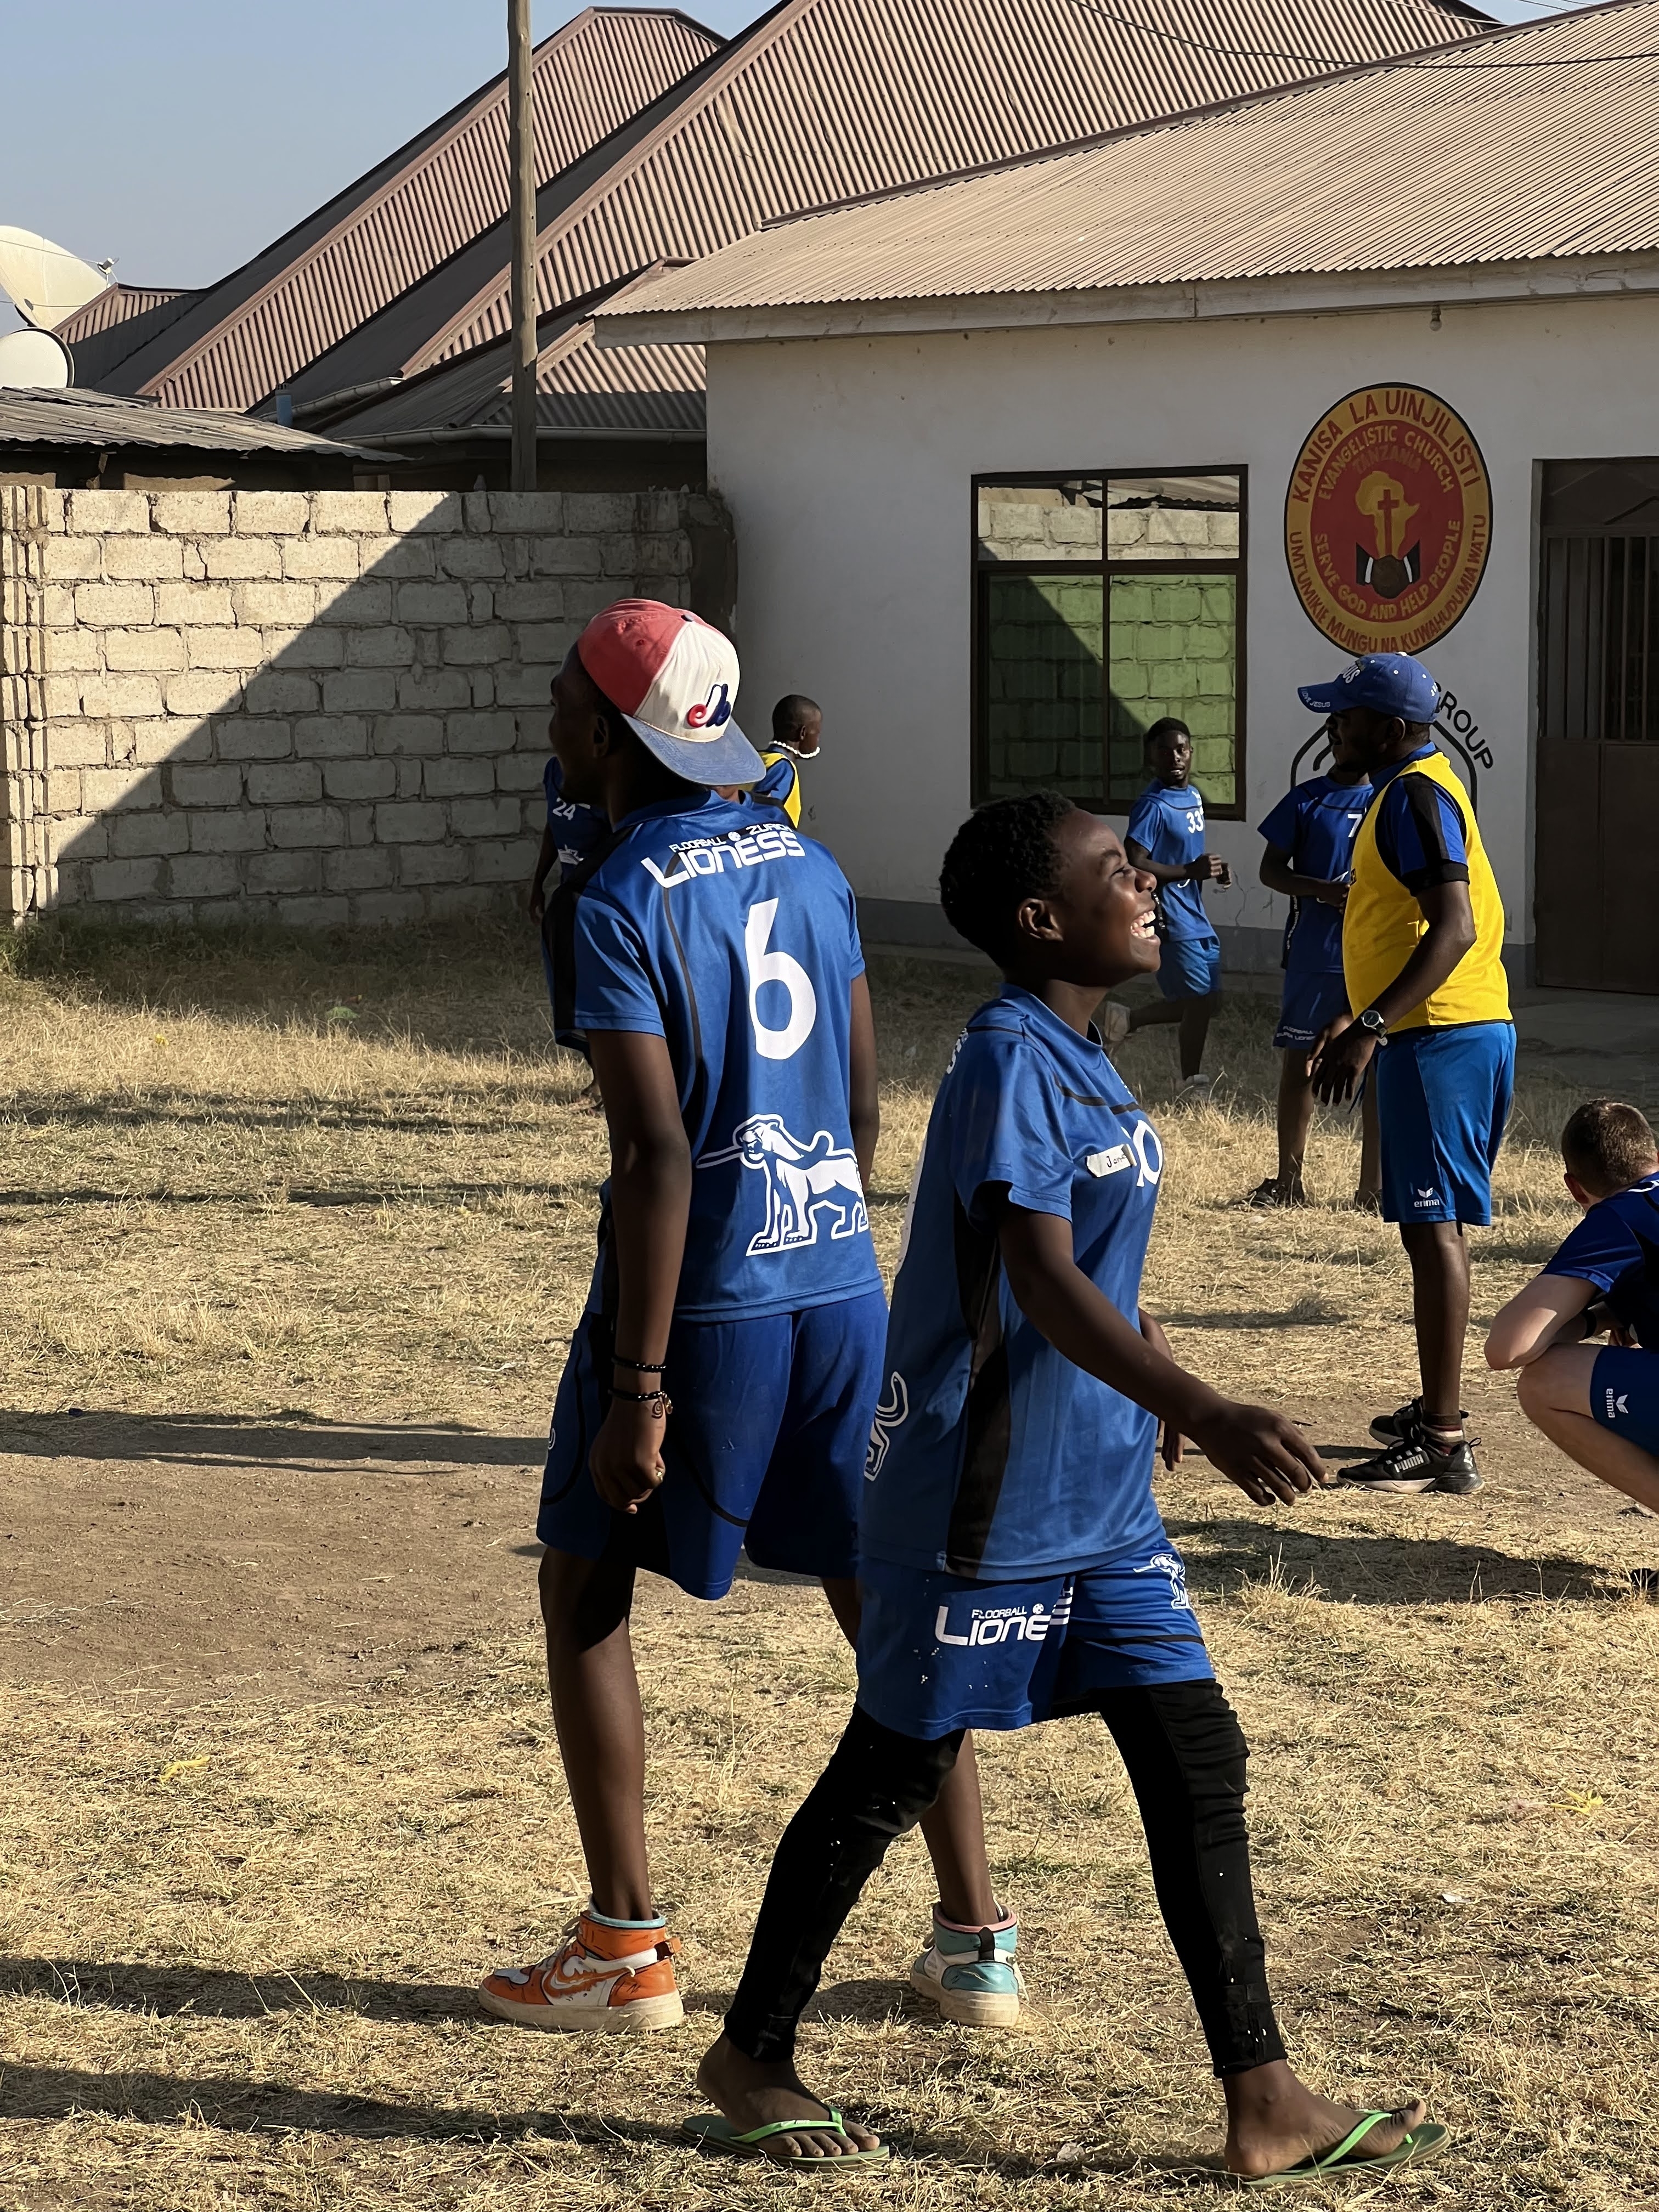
[314, 708]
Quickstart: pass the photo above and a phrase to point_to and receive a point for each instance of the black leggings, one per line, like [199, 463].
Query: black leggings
[1186, 1756]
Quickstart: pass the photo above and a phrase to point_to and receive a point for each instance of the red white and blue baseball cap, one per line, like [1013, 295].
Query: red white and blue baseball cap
[1392, 683]
[673, 677]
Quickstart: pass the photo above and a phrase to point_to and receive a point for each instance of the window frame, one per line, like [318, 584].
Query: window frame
[1105, 568]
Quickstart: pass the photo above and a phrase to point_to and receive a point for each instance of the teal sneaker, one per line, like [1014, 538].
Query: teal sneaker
[970, 1972]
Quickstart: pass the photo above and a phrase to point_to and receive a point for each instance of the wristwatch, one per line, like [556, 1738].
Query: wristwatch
[1374, 1025]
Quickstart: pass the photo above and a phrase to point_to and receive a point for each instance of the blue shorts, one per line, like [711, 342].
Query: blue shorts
[764, 1450]
[1624, 1395]
[1312, 998]
[1190, 967]
[1442, 1096]
[938, 1652]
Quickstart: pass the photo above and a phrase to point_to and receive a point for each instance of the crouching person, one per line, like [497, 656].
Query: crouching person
[1597, 1403]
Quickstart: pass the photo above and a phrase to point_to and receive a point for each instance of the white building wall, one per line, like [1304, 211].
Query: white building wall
[847, 463]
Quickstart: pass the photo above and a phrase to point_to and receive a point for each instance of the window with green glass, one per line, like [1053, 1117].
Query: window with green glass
[1102, 603]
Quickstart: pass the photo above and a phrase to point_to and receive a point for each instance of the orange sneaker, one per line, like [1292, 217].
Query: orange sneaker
[601, 1981]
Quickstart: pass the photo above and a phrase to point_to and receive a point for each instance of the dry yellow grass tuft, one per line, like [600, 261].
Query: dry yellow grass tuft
[347, 1182]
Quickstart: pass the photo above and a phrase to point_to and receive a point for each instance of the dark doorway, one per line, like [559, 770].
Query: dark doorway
[1597, 908]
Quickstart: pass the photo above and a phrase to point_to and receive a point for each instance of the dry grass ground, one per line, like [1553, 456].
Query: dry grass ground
[292, 1237]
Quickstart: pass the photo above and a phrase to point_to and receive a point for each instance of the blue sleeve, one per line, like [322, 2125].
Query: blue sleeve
[1005, 1127]
[1599, 1250]
[552, 779]
[1282, 826]
[614, 989]
[855, 943]
[1145, 818]
[1419, 834]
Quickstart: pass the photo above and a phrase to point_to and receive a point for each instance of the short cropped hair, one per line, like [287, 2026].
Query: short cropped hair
[1607, 1145]
[1003, 854]
[791, 711]
[1162, 728]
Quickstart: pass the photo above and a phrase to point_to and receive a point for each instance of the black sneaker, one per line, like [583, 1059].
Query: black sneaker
[1413, 1465]
[1405, 1422]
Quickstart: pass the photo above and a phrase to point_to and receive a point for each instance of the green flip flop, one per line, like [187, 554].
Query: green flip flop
[1333, 2164]
[713, 2131]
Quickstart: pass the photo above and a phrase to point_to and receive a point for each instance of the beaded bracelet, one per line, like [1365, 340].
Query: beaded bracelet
[640, 1366]
[661, 1403]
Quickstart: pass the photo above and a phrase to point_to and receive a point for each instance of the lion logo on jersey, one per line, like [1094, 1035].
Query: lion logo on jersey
[892, 1412]
[804, 1181]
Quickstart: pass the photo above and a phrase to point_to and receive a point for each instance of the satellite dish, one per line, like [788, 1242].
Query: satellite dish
[45, 283]
[34, 361]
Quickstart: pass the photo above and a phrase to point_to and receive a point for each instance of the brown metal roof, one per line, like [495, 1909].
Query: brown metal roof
[116, 303]
[100, 418]
[823, 100]
[828, 98]
[255, 333]
[1533, 144]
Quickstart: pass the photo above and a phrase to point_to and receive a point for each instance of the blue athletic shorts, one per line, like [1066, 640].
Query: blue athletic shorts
[1311, 1000]
[1624, 1395]
[1442, 1096]
[763, 1451]
[1190, 967]
[937, 1652]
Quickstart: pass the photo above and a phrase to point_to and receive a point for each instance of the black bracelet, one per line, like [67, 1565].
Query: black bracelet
[661, 1403]
[640, 1366]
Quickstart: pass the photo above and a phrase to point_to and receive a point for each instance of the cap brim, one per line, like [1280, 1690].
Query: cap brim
[728, 758]
[1322, 698]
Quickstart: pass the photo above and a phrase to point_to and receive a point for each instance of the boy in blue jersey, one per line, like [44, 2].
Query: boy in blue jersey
[1014, 1566]
[1165, 837]
[1599, 1405]
[570, 836]
[722, 1381]
[1310, 836]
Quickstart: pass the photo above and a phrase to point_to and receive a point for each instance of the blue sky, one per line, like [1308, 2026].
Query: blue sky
[181, 135]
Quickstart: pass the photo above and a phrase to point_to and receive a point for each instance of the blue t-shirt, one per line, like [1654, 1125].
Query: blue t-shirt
[1166, 821]
[1419, 827]
[992, 1456]
[576, 829]
[736, 940]
[1616, 1247]
[1314, 824]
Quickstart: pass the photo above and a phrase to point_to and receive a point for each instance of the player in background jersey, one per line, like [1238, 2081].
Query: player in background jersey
[1014, 1565]
[1165, 837]
[1600, 1405]
[1310, 836]
[722, 1381]
[1423, 954]
[797, 729]
[569, 835]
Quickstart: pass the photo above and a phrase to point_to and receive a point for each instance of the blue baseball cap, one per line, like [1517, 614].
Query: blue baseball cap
[1391, 682]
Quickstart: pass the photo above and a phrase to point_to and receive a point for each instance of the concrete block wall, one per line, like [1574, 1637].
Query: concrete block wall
[314, 708]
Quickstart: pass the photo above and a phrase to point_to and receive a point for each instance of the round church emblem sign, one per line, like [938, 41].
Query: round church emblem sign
[1387, 520]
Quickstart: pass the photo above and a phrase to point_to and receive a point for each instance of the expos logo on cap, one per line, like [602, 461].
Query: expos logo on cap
[674, 678]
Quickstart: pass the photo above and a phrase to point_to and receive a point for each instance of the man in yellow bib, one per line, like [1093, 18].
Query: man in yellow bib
[1423, 959]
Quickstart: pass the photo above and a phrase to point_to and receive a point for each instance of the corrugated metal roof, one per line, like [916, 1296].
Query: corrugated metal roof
[116, 303]
[100, 418]
[828, 98]
[255, 333]
[1538, 142]
[644, 390]
[823, 100]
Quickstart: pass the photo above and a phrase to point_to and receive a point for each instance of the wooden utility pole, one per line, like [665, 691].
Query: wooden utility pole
[521, 164]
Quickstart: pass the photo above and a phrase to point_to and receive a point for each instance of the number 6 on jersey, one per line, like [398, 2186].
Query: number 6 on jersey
[780, 968]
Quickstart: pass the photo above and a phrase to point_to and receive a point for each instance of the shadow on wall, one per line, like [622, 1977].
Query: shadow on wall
[309, 707]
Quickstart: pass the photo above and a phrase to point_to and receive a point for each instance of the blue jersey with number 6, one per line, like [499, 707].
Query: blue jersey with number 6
[736, 940]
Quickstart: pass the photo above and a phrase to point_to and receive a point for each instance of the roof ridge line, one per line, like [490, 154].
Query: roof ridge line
[1410, 57]
[465, 114]
[739, 50]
